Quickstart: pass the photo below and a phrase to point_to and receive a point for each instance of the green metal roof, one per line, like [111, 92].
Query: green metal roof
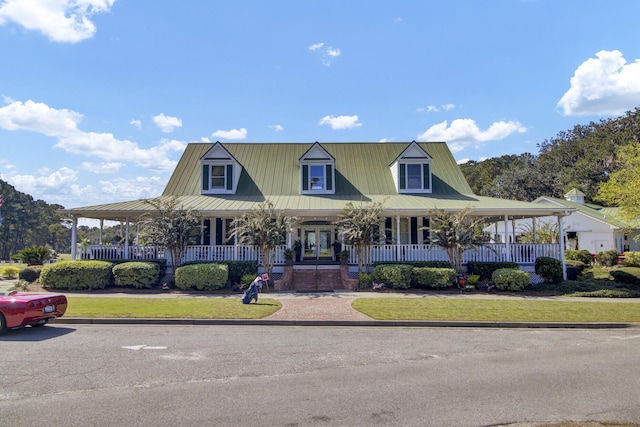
[611, 216]
[271, 171]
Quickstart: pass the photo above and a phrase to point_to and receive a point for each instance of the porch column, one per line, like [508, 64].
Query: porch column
[126, 239]
[235, 239]
[513, 230]
[561, 240]
[101, 227]
[398, 238]
[507, 246]
[535, 232]
[201, 231]
[74, 236]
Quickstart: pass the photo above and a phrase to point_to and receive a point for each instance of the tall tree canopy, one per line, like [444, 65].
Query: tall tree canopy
[622, 187]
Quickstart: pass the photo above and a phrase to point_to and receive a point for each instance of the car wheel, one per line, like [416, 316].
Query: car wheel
[3, 324]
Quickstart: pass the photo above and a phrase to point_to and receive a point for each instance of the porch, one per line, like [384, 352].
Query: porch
[524, 254]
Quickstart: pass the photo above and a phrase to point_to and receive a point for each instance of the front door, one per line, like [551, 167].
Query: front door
[317, 244]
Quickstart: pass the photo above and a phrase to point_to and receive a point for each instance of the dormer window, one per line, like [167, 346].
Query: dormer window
[412, 170]
[317, 171]
[220, 171]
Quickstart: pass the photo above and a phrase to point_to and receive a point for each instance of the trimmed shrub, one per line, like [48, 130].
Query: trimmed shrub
[9, 271]
[30, 274]
[581, 255]
[509, 279]
[550, 269]
[246, 280]
[608, 258]
[77, 275]
[365, 280]
[136, 274]
[473, 280]
[396, 276]
[485, 269]
[237, 269]
[432, 264]
[575, 263]
[631, 259]
[433, 278]
[203, 277]
[627, 275]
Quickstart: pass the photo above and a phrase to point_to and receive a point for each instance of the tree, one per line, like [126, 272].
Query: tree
[360, 226]
[170, 227]
[456, 232]
[545, 232]
[622, 187]
[36, 255]
[264, 227]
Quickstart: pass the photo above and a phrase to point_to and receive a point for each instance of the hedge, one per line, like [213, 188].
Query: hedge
[77, 275]
[550, 269]
[581, 255]
[627, 275]
[485, 269]
[509, 279]
[395, 276]
[136, 274]
[631, 259]
[203, 277]
[433, 278]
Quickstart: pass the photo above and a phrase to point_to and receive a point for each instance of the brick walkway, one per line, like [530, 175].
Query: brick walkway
[316, 307]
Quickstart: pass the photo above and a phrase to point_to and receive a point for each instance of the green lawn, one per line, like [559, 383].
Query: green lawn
[496, 310]
[174, 308]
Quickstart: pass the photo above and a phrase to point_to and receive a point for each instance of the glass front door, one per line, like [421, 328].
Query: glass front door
[317, 244]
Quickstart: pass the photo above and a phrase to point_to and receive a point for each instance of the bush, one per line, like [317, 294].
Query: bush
[30, 274]
[509, 279]
[581, 255]
[631, 259]
[246, 280]
[77, 275]
[9, 271]
[203, 277]
[137, 274]
[365, 280]
[607, 258]
[433, 278]
[550, 269]
[485, 269]
[473, 280]
[627, 275]
[396, 276]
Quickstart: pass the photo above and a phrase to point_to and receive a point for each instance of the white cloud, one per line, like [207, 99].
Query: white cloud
[465, 132]
[341, 122]
[316, 46]
[102, 168]
[63, 125]
[133, 189]
[435, 109]
[605, 85]
[230, 134]
[327, 53]
[136, 123]
[167, 124]
[277, 128]
[60, 20]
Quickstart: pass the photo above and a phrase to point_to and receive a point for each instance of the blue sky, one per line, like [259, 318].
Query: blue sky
[98, 98]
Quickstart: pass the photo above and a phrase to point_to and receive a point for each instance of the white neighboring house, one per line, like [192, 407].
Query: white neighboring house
[591, 227]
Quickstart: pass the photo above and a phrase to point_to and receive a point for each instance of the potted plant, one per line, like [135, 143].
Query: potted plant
[344, 256]
[297, 247]
[289, 255]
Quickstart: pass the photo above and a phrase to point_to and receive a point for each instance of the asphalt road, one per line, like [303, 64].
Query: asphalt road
[100, 375]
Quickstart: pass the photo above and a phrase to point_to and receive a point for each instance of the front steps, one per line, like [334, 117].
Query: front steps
[318, 278]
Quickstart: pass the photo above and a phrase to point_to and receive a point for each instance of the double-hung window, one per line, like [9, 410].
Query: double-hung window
[317, 171]
[415, 177]
[217, 178]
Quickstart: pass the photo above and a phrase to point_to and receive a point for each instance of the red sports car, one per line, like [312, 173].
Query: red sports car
[22, 309]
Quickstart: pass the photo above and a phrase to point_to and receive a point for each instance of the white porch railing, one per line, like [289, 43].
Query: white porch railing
[499, 252]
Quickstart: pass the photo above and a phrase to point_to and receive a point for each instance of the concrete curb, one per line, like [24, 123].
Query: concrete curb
[351, 323]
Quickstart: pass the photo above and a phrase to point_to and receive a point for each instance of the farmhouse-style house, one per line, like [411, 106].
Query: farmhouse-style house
[314, 182]
[590, 226]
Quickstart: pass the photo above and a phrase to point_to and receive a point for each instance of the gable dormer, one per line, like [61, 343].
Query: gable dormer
[220, 171]
[411, 170]
[317, 171]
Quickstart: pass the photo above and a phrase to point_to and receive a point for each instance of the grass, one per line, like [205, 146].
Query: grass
[454, 309]
[173, 308]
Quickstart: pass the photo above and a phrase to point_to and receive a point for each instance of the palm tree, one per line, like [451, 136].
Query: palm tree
[265, 228]
[360, 226]
[456, 232]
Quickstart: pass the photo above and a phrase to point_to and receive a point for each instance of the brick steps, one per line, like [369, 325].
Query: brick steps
[311, 279]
